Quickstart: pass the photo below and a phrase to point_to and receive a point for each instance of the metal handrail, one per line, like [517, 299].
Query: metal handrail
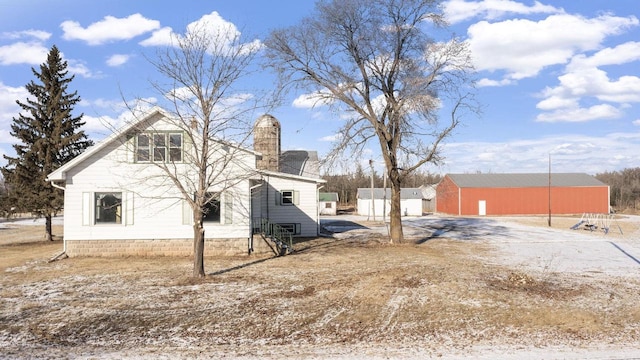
[280, 234]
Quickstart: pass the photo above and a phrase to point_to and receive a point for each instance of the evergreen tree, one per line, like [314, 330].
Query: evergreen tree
[49, 136]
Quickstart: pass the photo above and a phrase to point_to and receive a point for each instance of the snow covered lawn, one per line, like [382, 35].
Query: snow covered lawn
[459, 288]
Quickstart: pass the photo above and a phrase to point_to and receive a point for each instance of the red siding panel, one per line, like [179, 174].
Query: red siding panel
[447, 197]
[533, 201]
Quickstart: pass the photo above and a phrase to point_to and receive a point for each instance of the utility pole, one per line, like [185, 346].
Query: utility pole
[384, 197]
[373, 200]
[549, 221]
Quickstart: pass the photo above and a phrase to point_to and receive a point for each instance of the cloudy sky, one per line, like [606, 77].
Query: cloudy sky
[558, 79]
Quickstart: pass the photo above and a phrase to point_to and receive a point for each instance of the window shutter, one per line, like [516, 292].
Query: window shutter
[128, 206]
[187, 149]
[296, 197]
[278, 197]
[87, 205]
[187, 213]
[228, 209]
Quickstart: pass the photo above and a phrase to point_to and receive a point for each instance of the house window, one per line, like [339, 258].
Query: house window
[293, 229]
[159, 147]
[287, 197]
[142, 148]
[175, 147]
[108, 208]
[212, 208]
[328, 205]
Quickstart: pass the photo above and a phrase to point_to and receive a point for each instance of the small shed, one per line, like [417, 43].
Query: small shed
[428, 198]
[521, 194]
[410, 201]
[328, 203]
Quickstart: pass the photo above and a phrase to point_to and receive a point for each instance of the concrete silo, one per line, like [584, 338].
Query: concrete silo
[266, 140]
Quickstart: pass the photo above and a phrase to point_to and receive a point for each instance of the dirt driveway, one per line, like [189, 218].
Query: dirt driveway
[523, 242]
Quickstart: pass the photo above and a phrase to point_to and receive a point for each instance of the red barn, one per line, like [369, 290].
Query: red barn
[521, 194]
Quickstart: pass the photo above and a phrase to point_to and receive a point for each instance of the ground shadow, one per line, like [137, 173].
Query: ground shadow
[624, 252]
[241, 266]
[333, 226]
[463, 228]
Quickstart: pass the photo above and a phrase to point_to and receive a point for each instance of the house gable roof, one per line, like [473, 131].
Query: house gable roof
[300, 162]
[329, 197]
[524, 180]
[147, 120]
[378, 193]
[290, 176]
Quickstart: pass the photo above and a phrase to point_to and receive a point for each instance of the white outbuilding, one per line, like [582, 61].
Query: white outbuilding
[410, 201]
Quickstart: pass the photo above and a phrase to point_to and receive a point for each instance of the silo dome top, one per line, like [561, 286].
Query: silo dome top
[267, 120]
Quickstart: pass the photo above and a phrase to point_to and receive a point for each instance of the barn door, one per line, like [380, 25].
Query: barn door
[482, 207]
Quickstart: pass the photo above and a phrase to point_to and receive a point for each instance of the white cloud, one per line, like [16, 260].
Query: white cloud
[103, 125]
[8, 107]
[31, 33]
[310, 101]
[582, 79]
[578, 114]
[460, 10]
[636, 122]
[80, 68]
[331, 138]
[32, 53]
[484, 82]
[569, 153]
[109, 29]
[523, 47]
[117, 59]
[161, 37]
[222, 33]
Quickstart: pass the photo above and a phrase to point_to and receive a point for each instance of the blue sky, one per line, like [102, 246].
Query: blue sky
[559, 78]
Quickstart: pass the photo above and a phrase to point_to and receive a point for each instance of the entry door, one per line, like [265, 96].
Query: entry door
[482, 207]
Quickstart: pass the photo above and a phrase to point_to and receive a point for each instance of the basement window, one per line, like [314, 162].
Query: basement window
[293, 229]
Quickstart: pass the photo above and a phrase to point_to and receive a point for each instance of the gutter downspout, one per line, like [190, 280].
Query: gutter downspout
[318, 209]
[251, 225]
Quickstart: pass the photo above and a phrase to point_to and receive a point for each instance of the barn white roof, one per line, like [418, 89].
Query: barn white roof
[524, 180]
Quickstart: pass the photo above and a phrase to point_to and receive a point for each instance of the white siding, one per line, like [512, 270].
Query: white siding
[304, 212]
[330, 209]
[152, 206]
[409, 207]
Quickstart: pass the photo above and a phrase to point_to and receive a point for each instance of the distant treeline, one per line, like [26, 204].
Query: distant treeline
[624, 188]
[346, 185]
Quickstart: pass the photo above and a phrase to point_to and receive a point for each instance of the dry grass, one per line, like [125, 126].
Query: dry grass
[620, 227]
[329, 294]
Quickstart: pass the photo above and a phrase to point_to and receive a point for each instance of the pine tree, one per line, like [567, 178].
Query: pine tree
[49, 136]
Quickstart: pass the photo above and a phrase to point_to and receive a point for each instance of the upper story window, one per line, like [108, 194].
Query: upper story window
[159, 147]
[287, 197]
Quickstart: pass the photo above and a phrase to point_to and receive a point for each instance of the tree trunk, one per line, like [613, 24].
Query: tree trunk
[198, 250]
[48, 232]
[395, 216]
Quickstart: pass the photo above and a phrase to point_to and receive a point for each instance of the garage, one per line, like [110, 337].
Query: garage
[521, 194]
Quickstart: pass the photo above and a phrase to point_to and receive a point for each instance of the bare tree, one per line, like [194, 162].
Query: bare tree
[373, 61]
[203, 71]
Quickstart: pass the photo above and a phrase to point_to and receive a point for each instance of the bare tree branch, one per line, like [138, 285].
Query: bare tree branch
[375, 61]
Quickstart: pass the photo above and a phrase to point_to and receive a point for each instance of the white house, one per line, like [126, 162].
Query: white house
[410, 202]
[118, 200]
